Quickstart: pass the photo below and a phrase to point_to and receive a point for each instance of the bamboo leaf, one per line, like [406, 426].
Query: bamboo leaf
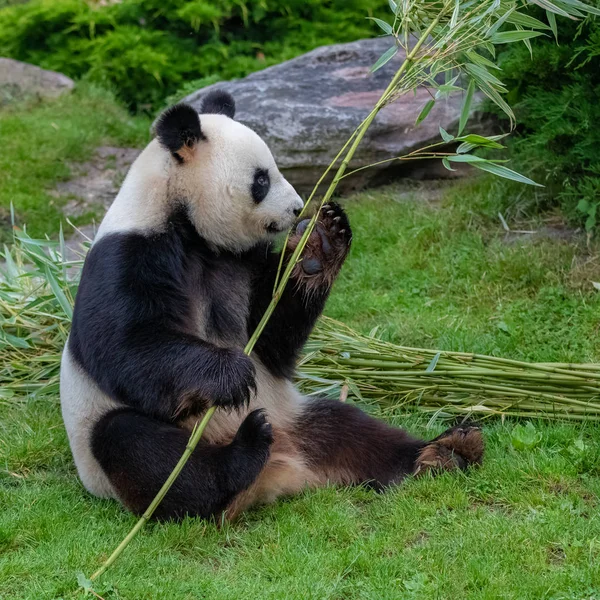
[466, 107]
[354, 389]
[505, 172]
[552, 23]
[493, 94]
[84, 583]
[455, 13]
[467, 158]
[426, 110]
[384, 58]
[15, 341]
[480, 140]
[518, 18]
[445, 135]
[58, 293]
[545, 4]
[434, 361]
[585, 8]
[496, 26]
[446, 164]
[507, 37]
[11, 269]
[481, 60]
[526, 42]
[481, 74]
[383, 25]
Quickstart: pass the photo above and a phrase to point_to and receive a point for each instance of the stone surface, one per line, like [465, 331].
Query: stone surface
[307, 107]
[19, 80]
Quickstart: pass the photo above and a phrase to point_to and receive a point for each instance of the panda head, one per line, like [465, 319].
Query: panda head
[224, 174]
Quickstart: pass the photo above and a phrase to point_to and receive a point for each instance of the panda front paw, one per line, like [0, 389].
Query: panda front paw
[234, 381]
[326, 249]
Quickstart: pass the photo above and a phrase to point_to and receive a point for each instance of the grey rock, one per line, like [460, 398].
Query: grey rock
[20, 80]
[307, 107]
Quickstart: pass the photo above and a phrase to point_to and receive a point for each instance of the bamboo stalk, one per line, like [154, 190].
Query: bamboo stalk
[197, 433]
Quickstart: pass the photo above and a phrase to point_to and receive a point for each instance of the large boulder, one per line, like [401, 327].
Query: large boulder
[20, 80]
[307, 107]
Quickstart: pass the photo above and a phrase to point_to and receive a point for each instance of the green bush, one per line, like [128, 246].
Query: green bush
[146, 50]
[556, 99]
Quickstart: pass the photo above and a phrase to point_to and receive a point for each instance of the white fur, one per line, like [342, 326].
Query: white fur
[83, 404]
[214, 183]
[142, 203]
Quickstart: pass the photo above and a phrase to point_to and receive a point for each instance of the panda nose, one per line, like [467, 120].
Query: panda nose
[297, 211]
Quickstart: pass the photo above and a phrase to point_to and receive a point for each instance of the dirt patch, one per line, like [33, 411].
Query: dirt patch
[553, 227]
[95, 183]
[556, 555]
[560, 233]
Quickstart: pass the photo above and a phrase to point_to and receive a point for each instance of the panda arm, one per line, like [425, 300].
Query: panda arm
[305, 295]
[130, 334]
[290, 325]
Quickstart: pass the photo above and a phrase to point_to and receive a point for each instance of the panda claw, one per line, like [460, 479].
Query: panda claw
[336, 219]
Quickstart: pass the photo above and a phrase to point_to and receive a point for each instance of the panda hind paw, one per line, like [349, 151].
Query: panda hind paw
[255, 432]
[458, 448]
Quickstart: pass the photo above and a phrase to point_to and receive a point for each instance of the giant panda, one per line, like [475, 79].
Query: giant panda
[180, 272]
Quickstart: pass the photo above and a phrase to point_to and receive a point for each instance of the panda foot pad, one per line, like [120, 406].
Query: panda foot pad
[326, 249]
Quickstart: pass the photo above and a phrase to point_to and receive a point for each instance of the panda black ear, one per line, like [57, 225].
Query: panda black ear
[178, 130]
[218, 102]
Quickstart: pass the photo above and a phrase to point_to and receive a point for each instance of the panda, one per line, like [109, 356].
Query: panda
[180, 272]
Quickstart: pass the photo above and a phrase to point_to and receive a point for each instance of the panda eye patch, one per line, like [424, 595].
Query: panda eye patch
[260, 185]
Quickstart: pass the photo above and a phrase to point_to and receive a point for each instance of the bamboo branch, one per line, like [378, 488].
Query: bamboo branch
[198, 430]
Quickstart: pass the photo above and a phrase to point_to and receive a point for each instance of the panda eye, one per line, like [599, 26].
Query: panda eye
[260, 185]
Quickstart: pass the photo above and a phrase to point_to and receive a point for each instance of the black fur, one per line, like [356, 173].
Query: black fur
[132, 326]
[341, 440]
[138, 453]
[261, 184]
[305, 295]
[179, 126]
[218, 102]
[132, 329]
[294, 318]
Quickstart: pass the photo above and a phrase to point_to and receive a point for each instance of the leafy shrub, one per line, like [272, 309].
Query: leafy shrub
[555, 96]
[145, 50]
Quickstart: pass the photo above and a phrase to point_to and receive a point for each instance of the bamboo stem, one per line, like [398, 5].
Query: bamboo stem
[197, 433]
[192, 442]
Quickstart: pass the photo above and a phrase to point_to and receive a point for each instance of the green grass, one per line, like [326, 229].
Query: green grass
[41, 139]
[524, 526]
[443, 276]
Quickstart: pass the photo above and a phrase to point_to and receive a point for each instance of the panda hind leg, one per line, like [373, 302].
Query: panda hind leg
[344, 445]
[138, 452]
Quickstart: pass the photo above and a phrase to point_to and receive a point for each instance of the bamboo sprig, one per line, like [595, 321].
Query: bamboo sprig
[294, 258]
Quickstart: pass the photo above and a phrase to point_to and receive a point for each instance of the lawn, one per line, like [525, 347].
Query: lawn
[40, 142]
[440, 274]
